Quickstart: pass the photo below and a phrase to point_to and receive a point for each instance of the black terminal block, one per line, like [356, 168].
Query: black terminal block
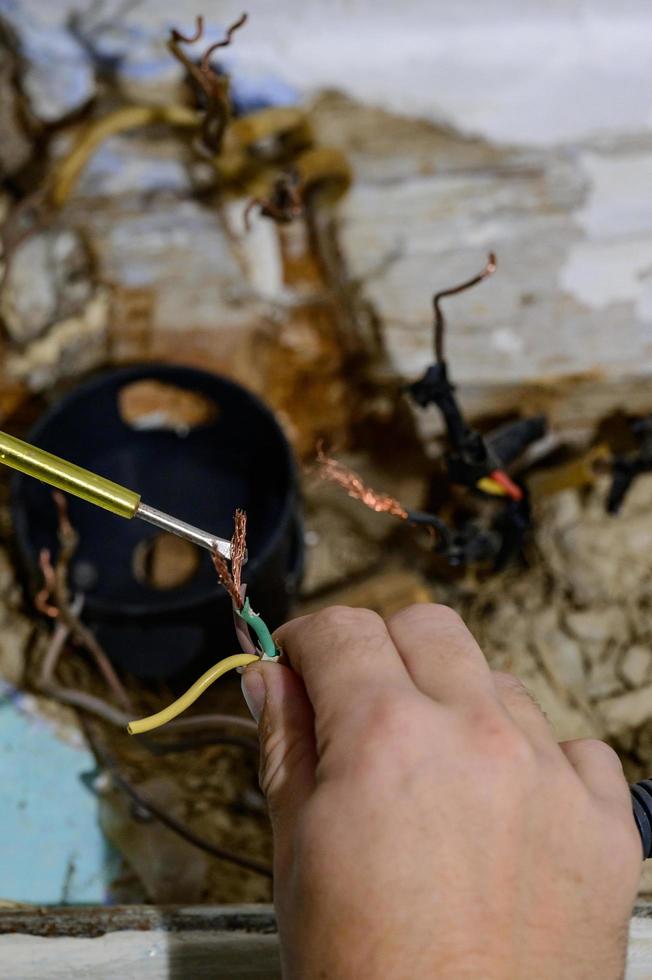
[642, 804]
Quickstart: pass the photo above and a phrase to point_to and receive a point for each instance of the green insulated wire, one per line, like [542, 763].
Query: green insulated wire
[267, 645]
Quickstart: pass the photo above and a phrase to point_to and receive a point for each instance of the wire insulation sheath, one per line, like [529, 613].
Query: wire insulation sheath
[167, 714]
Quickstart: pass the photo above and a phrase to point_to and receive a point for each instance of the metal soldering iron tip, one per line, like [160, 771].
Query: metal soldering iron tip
[172, 524]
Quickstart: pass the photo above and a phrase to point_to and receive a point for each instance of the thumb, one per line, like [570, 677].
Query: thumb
[277, 699]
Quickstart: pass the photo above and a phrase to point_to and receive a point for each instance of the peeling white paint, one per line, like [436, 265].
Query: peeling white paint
[600, 273]
[614, 262]
[538, 72]
[506, 341]
[619, 199]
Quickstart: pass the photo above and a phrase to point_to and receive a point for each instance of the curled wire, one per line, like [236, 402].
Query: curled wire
[226, 579]
[440, 322]
[224, 43]
[284, 204]
[215, 87]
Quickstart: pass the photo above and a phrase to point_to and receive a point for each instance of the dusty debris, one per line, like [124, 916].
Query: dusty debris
[386, 592]
[636, 665]
[598, 625]
[602, 680]
[49, 278]
[627, 711]
[171, 870]
[337, 549]
[16, 147]
[69, 348]
[561, 656]
[15, 632]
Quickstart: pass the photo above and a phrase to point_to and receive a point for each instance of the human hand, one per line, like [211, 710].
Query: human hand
[426, 822]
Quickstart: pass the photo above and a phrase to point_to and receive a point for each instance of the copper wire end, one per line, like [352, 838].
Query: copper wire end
[232, 580]
[440, 322]
[334, 471]
[238, 547]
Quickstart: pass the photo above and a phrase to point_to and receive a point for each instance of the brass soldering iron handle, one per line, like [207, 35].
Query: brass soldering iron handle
[98, 490]
[67, 476]
[642, 805]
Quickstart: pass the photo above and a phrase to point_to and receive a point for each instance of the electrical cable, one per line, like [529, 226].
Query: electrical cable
[190, 696]
[241, 607]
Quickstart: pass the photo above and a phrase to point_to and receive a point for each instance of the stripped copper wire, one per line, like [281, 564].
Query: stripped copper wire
[382, 503]
[232, 580]
[350, 481]
[238, 547]
[440, 322]
[226, 579]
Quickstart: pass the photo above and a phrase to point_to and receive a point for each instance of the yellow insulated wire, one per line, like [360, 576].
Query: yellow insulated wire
[191, 695]
[487, 485]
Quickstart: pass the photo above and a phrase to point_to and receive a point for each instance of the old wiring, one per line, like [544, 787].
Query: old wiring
[440, 323]
[46, 684]
[231, 581]
[66, 173]
[336, 472]
[474, 459]
[52, 601]
[214, 87]
[65, 614]
[285, 202]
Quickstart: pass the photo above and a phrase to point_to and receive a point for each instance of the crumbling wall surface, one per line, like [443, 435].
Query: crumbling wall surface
[515, 125]
[464, 135]
[576, 625]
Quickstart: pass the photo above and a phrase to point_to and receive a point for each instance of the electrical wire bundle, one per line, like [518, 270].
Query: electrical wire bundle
[473, 459]
[245, 620]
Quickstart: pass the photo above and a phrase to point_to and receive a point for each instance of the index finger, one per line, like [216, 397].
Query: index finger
[345, 656]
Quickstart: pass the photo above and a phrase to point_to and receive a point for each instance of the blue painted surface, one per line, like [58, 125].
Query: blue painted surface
[250, 94]
[51, 847]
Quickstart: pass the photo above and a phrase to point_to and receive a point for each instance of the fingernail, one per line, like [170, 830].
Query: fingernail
[253, 691]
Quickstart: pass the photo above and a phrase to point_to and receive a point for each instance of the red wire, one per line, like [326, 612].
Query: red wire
[508, 485]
